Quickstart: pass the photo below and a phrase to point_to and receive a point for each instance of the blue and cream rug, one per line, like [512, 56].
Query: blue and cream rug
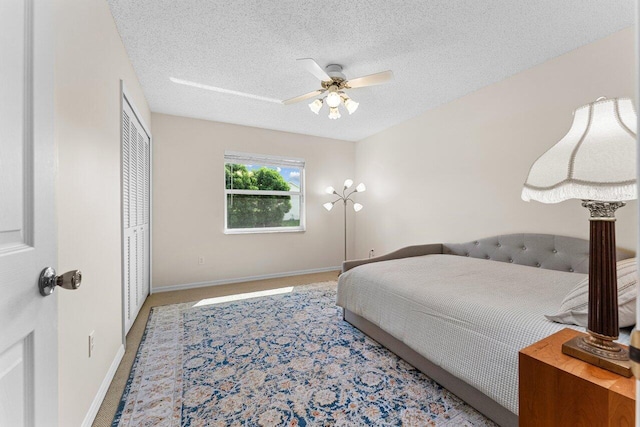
[283, 360]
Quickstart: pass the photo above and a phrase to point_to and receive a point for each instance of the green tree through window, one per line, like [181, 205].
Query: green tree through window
[255, 211]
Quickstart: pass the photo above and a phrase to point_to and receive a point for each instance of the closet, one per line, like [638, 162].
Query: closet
[136, 185]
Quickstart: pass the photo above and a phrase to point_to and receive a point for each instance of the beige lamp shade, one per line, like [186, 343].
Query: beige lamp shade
[595, 160]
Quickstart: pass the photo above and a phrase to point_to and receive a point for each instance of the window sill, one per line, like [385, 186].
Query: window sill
[264, 230]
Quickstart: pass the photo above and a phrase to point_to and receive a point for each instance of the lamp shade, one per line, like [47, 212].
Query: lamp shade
[333, 99]
[595, 160]
[351, 105]
[316, 105]
[334, 113]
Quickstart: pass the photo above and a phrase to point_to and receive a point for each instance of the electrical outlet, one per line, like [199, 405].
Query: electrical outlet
[200, 260]
[91, 343]
[371, 253]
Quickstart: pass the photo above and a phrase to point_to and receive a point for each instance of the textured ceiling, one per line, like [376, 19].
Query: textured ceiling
[438, 50]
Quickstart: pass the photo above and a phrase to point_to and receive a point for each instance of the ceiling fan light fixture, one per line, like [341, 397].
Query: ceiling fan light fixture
[333, 83]
[333, 99]
[316, 105]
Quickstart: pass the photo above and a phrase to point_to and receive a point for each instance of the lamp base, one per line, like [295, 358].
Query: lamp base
[602, 353]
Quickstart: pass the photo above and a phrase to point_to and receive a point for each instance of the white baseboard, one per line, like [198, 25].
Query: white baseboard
[102, 391]
[241, 279]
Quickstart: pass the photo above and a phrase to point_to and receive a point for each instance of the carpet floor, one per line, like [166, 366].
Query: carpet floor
[284, 359]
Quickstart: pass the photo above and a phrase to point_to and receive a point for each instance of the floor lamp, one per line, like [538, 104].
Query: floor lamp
[345, 198]
[596, 163]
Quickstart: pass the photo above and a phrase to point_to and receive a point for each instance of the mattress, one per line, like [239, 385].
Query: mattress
[467, 315]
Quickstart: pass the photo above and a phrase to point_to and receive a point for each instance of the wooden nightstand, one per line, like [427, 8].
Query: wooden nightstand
[559, 390]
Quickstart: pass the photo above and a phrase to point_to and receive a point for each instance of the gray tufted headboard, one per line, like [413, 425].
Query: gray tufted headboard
[535, 250]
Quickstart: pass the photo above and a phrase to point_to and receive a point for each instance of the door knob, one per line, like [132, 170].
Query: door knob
[49, 280]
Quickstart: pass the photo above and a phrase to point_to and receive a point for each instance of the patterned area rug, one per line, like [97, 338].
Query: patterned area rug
[275, 361]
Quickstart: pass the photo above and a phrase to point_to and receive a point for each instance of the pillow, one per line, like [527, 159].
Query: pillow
[573, 310]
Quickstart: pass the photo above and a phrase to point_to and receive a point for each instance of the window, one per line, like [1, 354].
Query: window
[263, 193]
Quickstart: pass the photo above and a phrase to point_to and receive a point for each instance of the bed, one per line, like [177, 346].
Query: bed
[459, 316]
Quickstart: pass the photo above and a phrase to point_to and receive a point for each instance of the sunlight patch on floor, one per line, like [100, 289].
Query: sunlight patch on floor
[237, 297]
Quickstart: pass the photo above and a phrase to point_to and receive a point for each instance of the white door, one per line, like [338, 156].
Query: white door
[136, 181]
[28, 330]
[638, 237]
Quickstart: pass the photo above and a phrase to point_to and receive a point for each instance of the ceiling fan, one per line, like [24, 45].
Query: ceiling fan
[333, 81]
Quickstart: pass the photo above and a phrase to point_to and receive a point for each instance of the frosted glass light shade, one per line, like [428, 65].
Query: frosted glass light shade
[330, 190]
[333, 99]
[334, 113]
[357, 207]
[361, 187]
[328, 206]
[316, 105]
[351, 105]
[348, 183]
[595, 160]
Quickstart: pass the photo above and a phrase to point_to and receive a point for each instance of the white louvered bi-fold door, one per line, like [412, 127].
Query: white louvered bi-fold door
[135, 213]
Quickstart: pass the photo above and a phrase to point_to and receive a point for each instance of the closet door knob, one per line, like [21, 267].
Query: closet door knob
[49, 280]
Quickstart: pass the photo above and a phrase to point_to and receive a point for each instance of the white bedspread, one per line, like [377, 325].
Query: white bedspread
[469, 316]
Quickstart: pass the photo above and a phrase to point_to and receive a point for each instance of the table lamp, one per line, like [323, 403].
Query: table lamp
[595, 162]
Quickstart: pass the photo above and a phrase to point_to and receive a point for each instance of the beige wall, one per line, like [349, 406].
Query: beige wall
[455, 173]
[90, 61]
[188, 203]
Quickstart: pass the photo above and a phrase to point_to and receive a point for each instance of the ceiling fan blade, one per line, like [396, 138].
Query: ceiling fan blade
[312, 66]
[303, 97]
[371, 80]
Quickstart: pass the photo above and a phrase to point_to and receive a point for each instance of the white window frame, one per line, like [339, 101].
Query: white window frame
[265, 160]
